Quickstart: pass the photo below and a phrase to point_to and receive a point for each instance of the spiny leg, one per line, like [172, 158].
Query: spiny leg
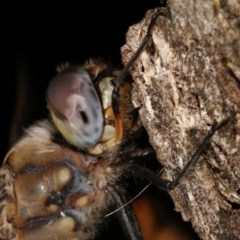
[198, 152]
[144, 173]
[125, 71]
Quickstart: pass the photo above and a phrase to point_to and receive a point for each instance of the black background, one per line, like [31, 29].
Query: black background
[38, 36]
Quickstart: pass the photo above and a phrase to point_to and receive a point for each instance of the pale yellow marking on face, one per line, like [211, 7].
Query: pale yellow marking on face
[82, 201]
[63, 175]
[66, 223]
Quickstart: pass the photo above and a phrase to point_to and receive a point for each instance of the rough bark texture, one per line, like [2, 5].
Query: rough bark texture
[186, 79]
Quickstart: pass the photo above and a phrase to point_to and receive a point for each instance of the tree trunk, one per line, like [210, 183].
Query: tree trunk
[186, 79]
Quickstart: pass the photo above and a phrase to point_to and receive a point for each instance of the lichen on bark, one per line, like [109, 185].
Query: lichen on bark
[185, 80]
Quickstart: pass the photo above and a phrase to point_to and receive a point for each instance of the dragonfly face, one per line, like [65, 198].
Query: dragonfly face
[57, 186]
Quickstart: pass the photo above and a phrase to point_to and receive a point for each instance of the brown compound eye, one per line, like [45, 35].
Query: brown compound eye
[47, 192]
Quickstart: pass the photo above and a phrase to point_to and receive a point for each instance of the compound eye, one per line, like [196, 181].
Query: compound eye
[75, 108]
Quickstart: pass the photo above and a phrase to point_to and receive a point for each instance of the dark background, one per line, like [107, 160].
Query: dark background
[37, 37]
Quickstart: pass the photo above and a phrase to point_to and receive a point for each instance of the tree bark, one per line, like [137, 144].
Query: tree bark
[186, 79]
